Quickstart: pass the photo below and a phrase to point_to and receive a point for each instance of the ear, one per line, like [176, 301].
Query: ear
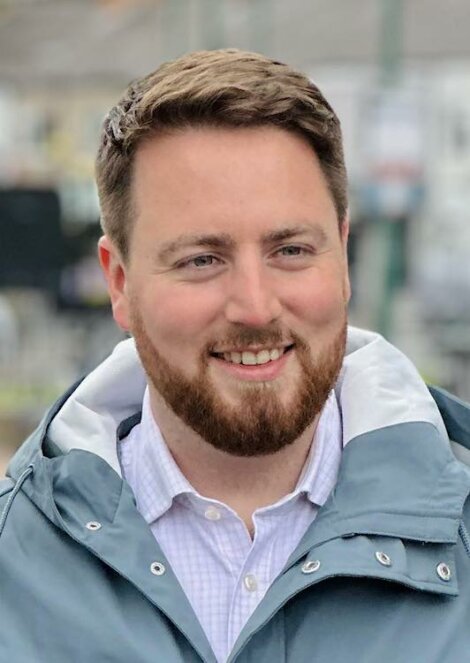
[115, 273]
[344, 241]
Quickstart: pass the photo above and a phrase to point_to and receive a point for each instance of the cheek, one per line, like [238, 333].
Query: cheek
[178, 317]
[320, 302]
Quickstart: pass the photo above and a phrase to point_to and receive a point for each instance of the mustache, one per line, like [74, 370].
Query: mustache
[245, 336]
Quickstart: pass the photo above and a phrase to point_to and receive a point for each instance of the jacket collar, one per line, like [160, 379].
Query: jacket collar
[400, 481]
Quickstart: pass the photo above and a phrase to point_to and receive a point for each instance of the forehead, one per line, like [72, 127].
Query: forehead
[241, 180]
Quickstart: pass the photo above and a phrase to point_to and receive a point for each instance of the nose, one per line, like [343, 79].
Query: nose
[251, 297]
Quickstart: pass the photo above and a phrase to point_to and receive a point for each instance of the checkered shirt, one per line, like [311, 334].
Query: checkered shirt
[224, 572]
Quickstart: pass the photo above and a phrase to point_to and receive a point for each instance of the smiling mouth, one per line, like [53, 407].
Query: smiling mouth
[249, 358]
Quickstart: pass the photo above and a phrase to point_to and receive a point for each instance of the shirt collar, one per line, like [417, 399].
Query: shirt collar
[149, 467]
[321, 469]
[156, 479]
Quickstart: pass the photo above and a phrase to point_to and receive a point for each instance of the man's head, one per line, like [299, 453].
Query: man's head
[225, 88]
[223, 194]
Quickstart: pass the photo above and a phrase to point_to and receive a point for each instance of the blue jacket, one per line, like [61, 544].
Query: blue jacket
[383, 573]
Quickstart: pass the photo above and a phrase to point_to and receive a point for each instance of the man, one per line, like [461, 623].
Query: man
[246, 479]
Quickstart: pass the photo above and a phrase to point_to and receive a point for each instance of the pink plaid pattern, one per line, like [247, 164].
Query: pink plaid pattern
[223, 572]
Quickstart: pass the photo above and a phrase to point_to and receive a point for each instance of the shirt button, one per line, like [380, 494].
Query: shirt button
[250, 582]
[212, 513]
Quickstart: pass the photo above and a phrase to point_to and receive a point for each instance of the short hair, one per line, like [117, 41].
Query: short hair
[224, 88]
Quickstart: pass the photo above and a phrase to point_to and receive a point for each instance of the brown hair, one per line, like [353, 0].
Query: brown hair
[223, 88]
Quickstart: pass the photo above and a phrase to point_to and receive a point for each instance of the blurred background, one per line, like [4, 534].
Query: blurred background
[396, 71]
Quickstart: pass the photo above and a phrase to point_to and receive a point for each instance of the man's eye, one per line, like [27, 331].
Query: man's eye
[203, 261]
[199, 261]
[292, 250]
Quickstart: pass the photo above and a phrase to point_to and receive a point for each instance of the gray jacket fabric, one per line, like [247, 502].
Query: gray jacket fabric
[383, 573]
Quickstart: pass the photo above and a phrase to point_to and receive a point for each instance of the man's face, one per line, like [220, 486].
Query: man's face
[236, 285]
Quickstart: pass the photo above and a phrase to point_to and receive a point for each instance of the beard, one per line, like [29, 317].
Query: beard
[261, 423]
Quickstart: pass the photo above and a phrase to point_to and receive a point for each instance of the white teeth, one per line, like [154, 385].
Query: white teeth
[249, 358]
[263, 357]
[253, 358]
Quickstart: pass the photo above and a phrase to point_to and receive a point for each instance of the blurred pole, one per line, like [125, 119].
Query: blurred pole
[390, 236]
[173, 33]
[213, 23]
[391, 42]
[194, 28]
[260, 25]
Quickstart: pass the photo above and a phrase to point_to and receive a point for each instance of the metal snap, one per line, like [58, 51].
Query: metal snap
[157, 568]
[311, 566]
[383, 558]
[93, 525]
[444, 572]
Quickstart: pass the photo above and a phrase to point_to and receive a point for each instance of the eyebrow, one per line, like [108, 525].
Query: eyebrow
[223, 241]
[219, 241]
[288, 233]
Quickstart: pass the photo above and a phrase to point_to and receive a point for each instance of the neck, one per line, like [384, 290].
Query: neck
[245, 484]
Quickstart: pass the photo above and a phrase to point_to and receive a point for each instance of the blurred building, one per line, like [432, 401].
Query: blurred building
[63, 64]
